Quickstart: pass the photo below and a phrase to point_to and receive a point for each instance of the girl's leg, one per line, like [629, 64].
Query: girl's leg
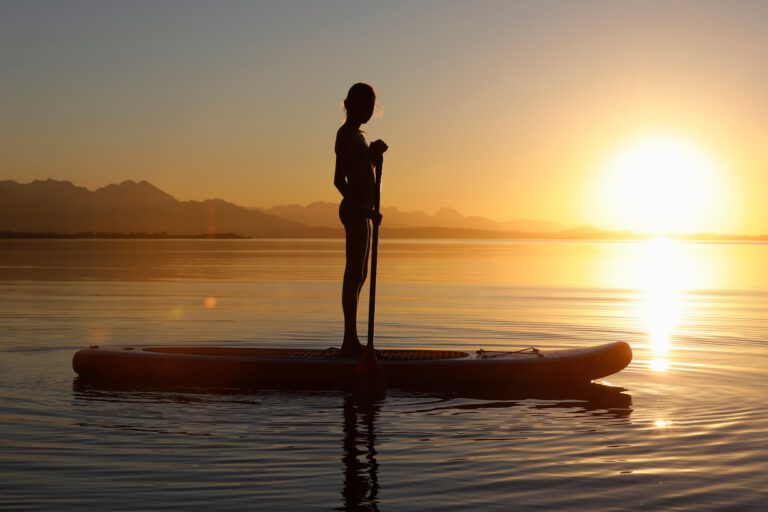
[358, 246]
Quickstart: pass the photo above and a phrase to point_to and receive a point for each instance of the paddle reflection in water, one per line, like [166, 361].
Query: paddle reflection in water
[361, 480]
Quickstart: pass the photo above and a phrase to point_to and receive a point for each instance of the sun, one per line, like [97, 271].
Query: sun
[660, 184]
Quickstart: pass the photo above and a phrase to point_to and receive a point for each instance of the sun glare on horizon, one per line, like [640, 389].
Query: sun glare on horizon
[662, 184]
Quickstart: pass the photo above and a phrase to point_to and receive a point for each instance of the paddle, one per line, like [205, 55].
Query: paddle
[369, 376]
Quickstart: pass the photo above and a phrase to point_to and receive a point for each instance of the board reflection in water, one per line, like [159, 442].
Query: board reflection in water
[244, 438]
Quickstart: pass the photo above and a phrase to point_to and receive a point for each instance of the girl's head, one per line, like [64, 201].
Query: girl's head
[360, 102]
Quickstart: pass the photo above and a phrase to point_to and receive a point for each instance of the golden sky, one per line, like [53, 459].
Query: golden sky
[497, 108]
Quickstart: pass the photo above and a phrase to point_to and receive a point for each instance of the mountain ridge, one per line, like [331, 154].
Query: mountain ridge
[325, 214]
[60, 206]
[130, 206]
[60, 209]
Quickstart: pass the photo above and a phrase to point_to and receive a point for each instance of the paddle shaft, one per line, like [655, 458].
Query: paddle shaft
[374, 251]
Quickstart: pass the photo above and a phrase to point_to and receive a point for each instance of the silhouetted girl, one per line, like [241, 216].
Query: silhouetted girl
[355, 179]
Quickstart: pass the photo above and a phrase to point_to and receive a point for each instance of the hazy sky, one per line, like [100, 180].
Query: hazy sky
[507, 109]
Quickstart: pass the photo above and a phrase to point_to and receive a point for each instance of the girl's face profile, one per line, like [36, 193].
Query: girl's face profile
[367, 110]
[362, 109]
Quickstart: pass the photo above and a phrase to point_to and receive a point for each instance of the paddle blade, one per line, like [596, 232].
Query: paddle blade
[369, 375]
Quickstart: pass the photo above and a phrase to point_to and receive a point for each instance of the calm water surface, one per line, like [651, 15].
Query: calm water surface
[683, 428]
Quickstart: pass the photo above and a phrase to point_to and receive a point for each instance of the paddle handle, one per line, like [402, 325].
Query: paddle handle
[374, 250]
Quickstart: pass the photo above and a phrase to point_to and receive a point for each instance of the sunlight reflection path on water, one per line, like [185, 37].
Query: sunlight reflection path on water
[663, 272]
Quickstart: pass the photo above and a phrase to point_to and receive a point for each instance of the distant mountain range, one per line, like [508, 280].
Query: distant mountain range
[323, 214]
[59, 209]
[52, 206]
[130, 207]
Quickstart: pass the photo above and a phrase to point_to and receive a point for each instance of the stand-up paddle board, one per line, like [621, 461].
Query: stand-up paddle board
[253, 366]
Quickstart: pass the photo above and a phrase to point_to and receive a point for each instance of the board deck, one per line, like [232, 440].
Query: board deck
[304, 353]
[302, 367]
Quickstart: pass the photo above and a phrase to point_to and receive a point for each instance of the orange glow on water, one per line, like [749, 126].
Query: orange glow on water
[99, 334]
[210, 302]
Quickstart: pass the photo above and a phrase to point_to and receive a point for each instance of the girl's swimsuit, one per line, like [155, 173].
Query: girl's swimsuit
[351, 211]
[360, 177]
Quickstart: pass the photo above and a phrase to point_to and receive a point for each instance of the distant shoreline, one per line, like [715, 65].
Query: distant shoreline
[12, 235]
[394, 233]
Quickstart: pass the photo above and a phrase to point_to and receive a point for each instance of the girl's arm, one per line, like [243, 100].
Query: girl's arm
[347, 152]
[340, 178]
[340, 174]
